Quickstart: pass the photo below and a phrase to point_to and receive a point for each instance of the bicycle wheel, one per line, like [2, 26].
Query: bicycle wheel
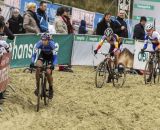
[101, 73]
[156, 74]
[118, 75]
[39, 93]
[148, 72]
[45, 95]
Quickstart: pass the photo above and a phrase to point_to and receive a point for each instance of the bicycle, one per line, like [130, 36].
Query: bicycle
[107, 69]
[152, 68]
[42, 88]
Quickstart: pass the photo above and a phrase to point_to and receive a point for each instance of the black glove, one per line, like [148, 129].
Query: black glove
[52, 67]
[142, 50]
[111, 53]
[95, 52]
[32, 65]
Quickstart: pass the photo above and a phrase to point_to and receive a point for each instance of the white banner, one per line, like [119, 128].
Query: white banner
[79, 14]
[84, 46]
[140, 59]
[13, 3]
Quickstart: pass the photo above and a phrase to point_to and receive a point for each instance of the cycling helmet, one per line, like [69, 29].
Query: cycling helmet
[108, 32]
[45, 36]
[149, 26]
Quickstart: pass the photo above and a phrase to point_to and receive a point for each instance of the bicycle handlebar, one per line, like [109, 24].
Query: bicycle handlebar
[42, 67]
[152, 52]
[105, 54]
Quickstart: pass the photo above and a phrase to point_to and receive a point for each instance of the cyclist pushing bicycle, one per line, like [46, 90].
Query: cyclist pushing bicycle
[154, 37]
[46, 46]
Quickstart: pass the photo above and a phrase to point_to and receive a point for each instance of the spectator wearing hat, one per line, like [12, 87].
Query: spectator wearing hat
[16, 22]
[82, 28]
[42, 16]
[139, 31]
[31, 22]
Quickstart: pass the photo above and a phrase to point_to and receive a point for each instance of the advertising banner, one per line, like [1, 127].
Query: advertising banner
[79, 14]
[23, 45]
[4, 69]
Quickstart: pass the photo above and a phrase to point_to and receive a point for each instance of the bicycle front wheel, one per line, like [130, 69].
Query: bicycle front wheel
[45, 95]
[119, 75]
[39, 94]
[148, 72]
[101, 73]
[156, 74]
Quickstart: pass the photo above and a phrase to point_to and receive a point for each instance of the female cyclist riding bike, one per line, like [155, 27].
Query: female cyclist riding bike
[113, 40]
[115, 45]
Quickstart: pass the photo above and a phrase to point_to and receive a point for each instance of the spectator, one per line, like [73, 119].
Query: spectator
[31, 22]
[105, 23]
[66, 19]
[0, 11]
[60, 25]
[82, 27]
[42, 16]
[7, 31]
[120, 26]
[16, 22]
[139, 31]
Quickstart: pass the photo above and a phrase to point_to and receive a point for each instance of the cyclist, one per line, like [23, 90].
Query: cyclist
[4, 46]
[154, 37]
[115, 45]
[47, 46]
[113, 40]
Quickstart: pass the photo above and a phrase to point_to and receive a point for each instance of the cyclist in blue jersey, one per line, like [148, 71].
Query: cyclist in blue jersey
[46, 47]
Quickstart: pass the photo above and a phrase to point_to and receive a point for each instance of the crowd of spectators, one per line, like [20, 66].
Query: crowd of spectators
[36, 21]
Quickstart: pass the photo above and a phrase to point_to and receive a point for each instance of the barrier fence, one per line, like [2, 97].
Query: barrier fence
[74, 49]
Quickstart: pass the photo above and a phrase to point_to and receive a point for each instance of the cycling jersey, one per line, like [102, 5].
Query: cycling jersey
[4, 47]
[155, 37]
[46, 53]
[114, 42]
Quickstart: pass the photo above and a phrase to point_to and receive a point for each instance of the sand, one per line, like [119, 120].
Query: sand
[79, 105]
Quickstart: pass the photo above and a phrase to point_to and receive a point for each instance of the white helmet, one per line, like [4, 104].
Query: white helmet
[149, 26]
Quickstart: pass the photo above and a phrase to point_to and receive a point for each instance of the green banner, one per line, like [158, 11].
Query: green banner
[128, 41]
[87, 38]
[144, 6]
[23, 45]
[149, 19]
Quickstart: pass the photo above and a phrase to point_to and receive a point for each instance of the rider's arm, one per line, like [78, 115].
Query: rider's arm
[5, 45]
[157, 41]
[145, 42]
[55, 48]
[36, 48]
[117, 41]
[101, 43]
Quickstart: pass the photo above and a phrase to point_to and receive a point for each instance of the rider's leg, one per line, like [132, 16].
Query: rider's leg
[39, 63]
[50, 82]
[117, 54]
